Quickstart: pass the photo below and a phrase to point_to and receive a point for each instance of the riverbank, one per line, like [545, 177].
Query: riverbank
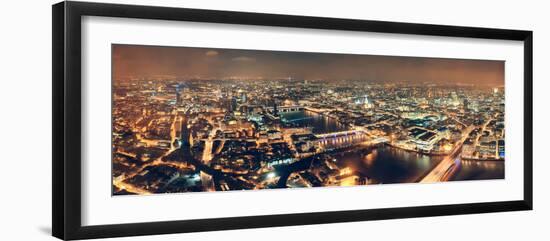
[445, 153]
[419, 152]
[481, 159]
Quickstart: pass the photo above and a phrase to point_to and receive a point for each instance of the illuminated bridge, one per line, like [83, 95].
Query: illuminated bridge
[443, 171]
[341, 139]
[283, 109]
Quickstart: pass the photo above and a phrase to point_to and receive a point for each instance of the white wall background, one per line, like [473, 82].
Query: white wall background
[25, 133]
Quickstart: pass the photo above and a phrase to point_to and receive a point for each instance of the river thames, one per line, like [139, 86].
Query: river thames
[319, 124]
[386, 164]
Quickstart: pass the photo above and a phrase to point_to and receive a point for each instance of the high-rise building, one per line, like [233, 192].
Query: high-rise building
[501, 149]
[180, 92]
[178, 97]
[275, 110]
[186, 139]
[233, 104]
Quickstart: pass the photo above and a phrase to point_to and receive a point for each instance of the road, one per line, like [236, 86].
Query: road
[173, 130]
[207, 153]
[207, 180]
[120, 184]
[476, 142]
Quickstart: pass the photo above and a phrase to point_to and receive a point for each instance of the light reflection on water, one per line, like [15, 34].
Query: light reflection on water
[386, 164]
[320, 124]
[479, 170]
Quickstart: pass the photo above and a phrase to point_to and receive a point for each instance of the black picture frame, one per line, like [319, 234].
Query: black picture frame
[67, 135]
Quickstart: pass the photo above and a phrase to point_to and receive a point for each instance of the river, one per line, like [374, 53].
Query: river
[320, 124]
[385, 164]
[479, 170]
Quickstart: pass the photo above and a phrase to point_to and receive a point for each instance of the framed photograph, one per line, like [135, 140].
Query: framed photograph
[169, 120]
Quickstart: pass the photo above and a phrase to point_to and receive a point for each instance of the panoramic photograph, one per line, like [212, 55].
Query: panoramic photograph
[190, 119]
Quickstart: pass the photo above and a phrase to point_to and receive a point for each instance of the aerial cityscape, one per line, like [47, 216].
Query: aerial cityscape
[187, 119]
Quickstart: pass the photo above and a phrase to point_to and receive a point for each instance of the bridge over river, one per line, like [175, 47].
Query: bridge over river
[442, 171]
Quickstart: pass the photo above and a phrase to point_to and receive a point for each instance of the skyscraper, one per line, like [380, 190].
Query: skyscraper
[178, 95]
[275, 110]
[233, 104]
[501, 148]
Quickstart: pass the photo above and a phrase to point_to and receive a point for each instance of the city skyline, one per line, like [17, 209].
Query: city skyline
[305, 122]
[141, 61]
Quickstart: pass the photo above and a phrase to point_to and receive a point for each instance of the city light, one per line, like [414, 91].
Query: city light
[225, 120]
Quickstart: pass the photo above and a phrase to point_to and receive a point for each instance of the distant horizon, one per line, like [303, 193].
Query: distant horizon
[234, 78]
[146, 62]
[208, 120]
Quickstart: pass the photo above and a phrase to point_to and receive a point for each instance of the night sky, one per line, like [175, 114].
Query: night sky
[147, 61]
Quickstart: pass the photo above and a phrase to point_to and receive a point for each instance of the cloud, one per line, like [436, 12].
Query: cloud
[211, 53]
[243, 59]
